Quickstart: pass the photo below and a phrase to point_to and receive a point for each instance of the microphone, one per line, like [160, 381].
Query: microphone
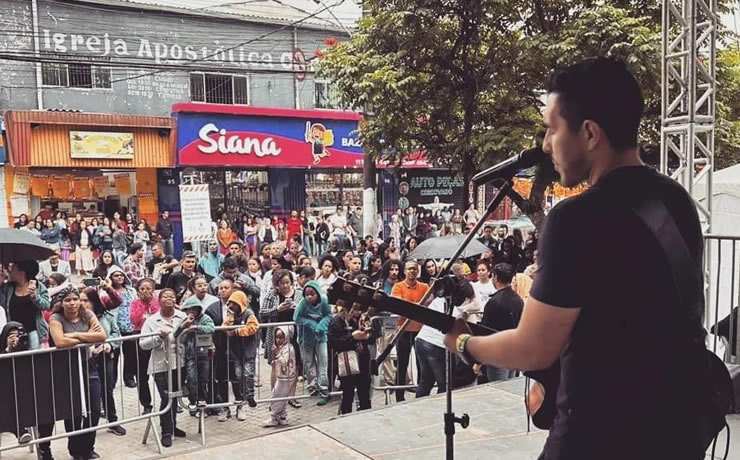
[509, 167]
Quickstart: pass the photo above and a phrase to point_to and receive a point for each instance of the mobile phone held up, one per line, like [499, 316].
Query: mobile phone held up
[91, 282]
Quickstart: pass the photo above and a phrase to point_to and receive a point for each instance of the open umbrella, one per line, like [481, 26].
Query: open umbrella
[444, 247]
[17, 245]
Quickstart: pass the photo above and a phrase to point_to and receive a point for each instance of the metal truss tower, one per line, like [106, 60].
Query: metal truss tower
[688, 100]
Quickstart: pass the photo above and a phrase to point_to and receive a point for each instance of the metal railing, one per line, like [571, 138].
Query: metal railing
[722, 291]
[76, 388]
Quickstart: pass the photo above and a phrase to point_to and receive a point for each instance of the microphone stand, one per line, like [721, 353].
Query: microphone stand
[449, 417]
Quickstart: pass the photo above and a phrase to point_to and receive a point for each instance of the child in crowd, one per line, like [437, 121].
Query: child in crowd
[242, 348]
[197, 351]
[284, 370]
[312, 318]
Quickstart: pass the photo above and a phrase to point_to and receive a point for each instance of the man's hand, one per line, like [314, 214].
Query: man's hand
[460, 327]
[360, 335]
[163, 334]
[12, 342]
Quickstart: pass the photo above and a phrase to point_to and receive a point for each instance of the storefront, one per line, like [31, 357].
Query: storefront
[92, 164]
[268, 161]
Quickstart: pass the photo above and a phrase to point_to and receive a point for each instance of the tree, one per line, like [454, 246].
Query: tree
[464, 80]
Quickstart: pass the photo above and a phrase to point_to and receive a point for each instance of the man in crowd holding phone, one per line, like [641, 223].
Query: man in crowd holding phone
[53, 265]
[161, 266]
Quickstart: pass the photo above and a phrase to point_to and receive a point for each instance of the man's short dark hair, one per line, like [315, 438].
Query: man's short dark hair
[308, 272]
[158, 245]
[29, 267]
[503, 273]
[603, 90]
[235, 243]
[134, 248]
[230, 263]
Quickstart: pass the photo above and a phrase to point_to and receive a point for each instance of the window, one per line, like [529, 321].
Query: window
[218, 88]
[326, 96]
[75, 75]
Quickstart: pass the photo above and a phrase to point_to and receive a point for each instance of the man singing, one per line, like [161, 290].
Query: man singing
[603, 299]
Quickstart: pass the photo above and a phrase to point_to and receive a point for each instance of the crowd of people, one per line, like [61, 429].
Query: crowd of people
[224, 297]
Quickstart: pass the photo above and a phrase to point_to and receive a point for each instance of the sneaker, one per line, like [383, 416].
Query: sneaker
[301, 378]
[46, 454]
[322, 401]
[251, 402]
[118, 430]
[179, 433]
[25, 438]
[147, 410]
[282, 421]
[193, 409]
[224, 415]
[270, 423]
[93, 455]
[131, 383]
[241, 414]
[167, 440]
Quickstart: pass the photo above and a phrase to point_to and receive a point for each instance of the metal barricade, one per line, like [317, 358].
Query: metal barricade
[57, 384]
[388, 329]
[201, 406]
[722, 291]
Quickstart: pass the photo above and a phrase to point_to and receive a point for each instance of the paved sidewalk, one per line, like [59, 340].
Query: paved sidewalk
[130, 446]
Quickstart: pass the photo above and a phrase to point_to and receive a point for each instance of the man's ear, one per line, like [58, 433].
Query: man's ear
[592, 133]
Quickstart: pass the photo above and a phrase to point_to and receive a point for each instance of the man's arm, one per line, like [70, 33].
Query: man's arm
[543, 332]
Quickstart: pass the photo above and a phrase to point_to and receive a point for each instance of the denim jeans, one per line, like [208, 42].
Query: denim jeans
[308, 245]
[403, 351]
[198, 369]
[108, 365]
[168, 420]
[169, 246]
[314, 357]
[83, 444]
[245, 379]
[431, 359]
[496, 374]
[321, 248]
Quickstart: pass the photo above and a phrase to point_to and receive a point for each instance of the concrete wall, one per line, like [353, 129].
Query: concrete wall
[152, 40]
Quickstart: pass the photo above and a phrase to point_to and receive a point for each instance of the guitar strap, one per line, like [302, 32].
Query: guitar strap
[688, 281]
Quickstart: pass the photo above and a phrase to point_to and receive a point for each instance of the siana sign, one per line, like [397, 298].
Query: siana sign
[257, 137]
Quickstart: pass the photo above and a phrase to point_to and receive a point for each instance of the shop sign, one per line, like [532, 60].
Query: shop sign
[260, 141]
[195, 205]
[107, 145]
[431, 190]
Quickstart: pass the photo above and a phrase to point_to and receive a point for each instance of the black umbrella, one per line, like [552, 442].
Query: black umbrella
[444, 247]
[17, 245]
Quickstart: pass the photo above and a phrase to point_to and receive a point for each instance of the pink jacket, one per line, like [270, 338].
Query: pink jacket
[140, 311]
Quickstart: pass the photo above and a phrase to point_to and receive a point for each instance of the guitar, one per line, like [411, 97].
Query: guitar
[540, 401]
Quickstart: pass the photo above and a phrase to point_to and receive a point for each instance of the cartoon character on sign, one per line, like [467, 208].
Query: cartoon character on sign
[320, 138]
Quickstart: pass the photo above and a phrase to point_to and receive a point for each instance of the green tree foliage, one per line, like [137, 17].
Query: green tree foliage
[464, 80]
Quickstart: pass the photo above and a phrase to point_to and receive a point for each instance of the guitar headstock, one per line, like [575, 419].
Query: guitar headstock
[349, 294]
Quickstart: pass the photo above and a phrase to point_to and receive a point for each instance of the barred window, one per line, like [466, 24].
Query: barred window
[75, 75]
[218, 88]
[326, 96]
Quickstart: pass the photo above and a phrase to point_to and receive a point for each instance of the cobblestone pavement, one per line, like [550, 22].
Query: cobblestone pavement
[130, 446]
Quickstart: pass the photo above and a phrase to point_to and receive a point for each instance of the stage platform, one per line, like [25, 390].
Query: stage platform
[414, 431]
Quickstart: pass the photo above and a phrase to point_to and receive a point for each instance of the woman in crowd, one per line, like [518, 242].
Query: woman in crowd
[210, 263]
[83, 249]
[328, 267]
[395, 229]
[61, 220]
[50, 234]
[66, 245]
[309, 226]
[141, 236]
[409, 247]
[119, 244]
[483, 287]
[22, 222]
[225, 237]
[282, 234]
[353, 332]
[122, 285]
[279, 306]
[105, 235]
[162, 349]
[106, 355]
[469, 308]
[120, 223]
[106, 261]
[72, 325]
[457, 222]
[143, 308]
[254, 270]
[312, 317]
[428, 271]
[25, 300]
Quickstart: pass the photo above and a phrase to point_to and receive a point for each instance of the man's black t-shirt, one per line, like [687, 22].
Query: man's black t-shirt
[503, 310]
[178, 281]
[623, 391]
